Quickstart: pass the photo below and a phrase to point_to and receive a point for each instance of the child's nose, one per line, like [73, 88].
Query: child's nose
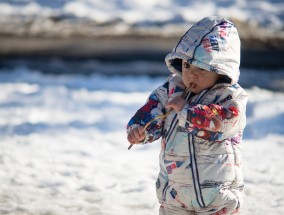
[193, 74]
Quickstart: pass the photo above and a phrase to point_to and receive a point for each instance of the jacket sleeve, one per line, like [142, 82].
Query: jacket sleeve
[215, 122]
[155, 106]
[152, 108]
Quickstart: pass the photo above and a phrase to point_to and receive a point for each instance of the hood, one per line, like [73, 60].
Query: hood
[212, 44]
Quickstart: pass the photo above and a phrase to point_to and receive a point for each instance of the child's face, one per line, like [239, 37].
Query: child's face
[197, 79]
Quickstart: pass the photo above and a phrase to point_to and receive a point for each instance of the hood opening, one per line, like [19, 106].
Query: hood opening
[224, 79]
[177, 64]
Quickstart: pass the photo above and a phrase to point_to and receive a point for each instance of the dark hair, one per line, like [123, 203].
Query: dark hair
[224, 79]
[177, 64]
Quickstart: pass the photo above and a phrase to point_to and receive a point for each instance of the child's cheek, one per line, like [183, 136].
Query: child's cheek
[186, 80]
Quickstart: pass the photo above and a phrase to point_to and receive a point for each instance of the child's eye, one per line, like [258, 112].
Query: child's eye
[186, 65]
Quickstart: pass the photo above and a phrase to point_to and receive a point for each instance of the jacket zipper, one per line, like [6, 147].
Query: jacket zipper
[194, 169]
[165, 191]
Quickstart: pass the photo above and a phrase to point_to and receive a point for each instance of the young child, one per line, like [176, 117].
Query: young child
[200, 114]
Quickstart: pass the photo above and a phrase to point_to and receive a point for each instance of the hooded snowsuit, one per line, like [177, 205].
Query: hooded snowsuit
[200, 159]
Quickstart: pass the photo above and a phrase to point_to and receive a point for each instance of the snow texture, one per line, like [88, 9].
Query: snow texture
[64, 148]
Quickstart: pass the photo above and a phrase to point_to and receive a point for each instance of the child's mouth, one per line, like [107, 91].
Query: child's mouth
[192, 86]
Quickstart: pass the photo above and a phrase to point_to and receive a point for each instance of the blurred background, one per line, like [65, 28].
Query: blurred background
[72, 73]
[122, 30]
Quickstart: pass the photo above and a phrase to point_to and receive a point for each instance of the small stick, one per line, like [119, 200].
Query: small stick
[129, 147]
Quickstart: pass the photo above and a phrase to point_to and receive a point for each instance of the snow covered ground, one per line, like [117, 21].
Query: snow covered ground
[63, 148]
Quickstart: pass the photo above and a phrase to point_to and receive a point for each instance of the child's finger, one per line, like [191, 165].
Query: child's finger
[140, 130]
[136, 135]
[169, 104]
[135, 140]
[129, 138]
[132, 138]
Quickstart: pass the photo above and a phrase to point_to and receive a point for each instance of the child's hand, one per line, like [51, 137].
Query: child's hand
[136, 135]
[176, 103]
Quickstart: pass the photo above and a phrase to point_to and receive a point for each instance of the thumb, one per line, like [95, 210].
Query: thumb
[169, 104]
[140, 130]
